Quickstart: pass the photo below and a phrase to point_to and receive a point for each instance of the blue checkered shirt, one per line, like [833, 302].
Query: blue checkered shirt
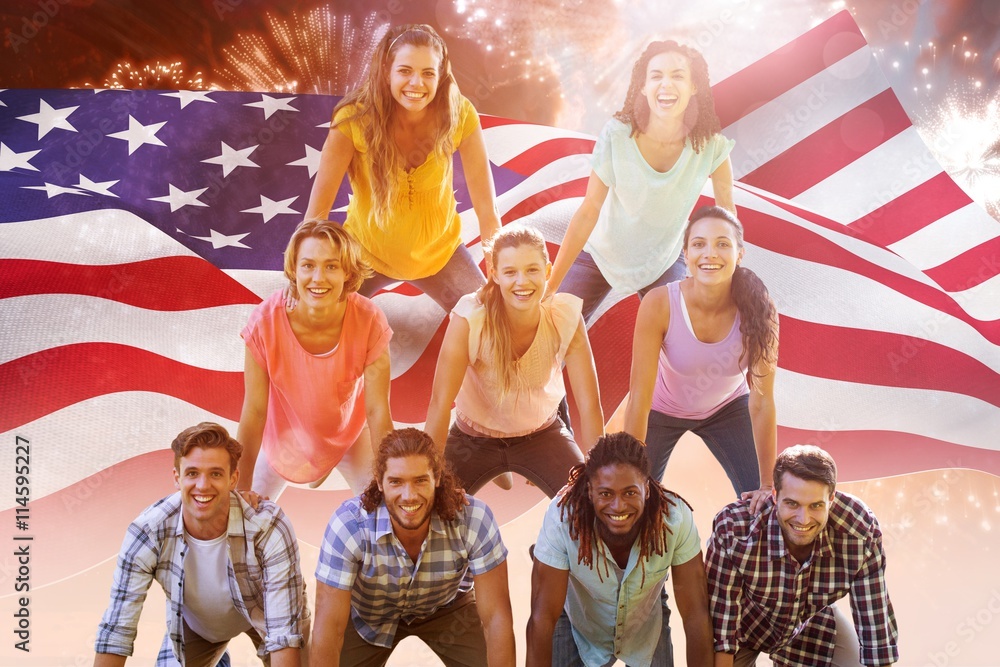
[761, 598]
[265, 581]
[360, 553]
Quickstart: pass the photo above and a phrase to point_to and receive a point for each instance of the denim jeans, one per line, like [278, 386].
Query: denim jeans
[586, 281]
[728, 434]
[460, 276]
[544, 457]
[566, 654]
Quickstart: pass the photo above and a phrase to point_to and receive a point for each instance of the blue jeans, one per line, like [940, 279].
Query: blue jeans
[586, 281]
[566, 654]
[728, 434]
[544, 457]
[460, 276]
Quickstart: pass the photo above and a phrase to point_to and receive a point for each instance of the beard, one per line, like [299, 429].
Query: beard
[618, 541]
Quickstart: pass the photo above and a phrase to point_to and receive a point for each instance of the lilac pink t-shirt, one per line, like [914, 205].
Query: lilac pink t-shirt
[315, 403]
[694, 379]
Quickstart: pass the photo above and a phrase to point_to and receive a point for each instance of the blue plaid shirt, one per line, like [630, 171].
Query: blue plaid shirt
[360, 553]
[265, 581]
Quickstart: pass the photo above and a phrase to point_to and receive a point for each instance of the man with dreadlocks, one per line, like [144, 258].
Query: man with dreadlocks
[607, 544]
[401, 560]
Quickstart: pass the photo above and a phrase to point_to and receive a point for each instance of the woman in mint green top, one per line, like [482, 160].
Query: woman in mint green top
[650, 164]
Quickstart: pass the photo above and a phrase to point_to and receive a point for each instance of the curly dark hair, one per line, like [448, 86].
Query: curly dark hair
[700, 119]
[758, 315]
[403, 442]
[577, 509]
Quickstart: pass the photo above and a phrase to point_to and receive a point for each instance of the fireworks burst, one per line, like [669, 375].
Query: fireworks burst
[153, 76]
[312, 52]
[963, 132]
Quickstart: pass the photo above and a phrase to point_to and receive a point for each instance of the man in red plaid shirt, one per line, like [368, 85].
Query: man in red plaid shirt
[773, 577]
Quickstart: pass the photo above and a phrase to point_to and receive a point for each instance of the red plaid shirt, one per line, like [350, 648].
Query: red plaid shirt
[762, 599]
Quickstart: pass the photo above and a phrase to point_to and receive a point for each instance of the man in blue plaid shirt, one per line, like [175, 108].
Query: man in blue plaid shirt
[401, 560]
[773, 577]
[226, 567]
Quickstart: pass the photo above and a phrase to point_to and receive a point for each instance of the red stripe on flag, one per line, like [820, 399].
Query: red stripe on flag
[872, 454]
[486, 121]
[973, 267]
[577, 188]
[912, 210]
[782, 70]
[194, 283]
[542, 154]
[789, 239]
[832, 147]
[411, 391]
[884, 359]
[38, 384]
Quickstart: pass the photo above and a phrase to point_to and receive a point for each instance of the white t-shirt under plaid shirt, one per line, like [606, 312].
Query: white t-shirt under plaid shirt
[360, 553]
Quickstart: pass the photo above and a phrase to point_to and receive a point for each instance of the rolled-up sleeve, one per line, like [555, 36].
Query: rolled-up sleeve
[133, 576]
[872, 610]
[285, 610]
[723, 589]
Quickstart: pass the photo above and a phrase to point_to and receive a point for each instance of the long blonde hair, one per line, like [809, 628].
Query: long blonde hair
[497, 335]
[375, 109]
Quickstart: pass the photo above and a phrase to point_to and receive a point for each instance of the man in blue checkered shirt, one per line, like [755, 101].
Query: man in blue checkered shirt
[773, 577]
[226, 567]
[401, 560]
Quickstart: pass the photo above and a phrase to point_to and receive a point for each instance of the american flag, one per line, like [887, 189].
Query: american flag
[140, 228]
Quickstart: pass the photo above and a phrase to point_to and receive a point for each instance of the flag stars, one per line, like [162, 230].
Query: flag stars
[102, 188]
[178, 198]
[270, 208]
[230, 158]
[138, 134]
[11, 159]
[48, 119]
[52, 190]
[220, 240]
[310, 161]
[188, 96]
[272, 104]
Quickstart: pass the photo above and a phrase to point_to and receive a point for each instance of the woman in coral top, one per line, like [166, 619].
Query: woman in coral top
[703, 360]
[394, 137]
[316, 374]
[501, 364]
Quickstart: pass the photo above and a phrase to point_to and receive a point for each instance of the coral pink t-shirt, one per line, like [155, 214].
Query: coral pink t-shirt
[315, 403]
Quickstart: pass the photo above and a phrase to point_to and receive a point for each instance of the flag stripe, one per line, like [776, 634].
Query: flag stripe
[875, 357]
[868, 454]
[533, 203]
[538, 156]
[912, 210]
[832, 148]
[194, 282]
[946, 238]
[971, 268]
[41, 383]
[790, 65]
[206, 337]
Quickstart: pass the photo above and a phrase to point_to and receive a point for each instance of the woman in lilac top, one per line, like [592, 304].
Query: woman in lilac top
[703, 359]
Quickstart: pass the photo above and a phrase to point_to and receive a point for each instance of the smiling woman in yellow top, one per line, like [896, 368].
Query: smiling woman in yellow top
[394, 137]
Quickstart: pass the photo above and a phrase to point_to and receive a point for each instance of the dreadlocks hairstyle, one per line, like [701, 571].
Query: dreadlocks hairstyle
[414, 442]
[355, 268]
[700, 120]
[758, 316]
[577, 509]
[375, 108]
[497, 336]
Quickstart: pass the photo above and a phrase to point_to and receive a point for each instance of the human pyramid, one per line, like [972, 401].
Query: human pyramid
[415, 553]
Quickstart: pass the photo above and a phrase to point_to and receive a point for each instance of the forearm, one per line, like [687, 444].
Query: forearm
[287, 657]
[724, 659]
[436, 426]
[765, 438]
[325, 648]
[539, 636]
[698, 633]
[379, 423]
[500, 650]
[249, 434]
[636, 417]
[577, 233]
[109, 660]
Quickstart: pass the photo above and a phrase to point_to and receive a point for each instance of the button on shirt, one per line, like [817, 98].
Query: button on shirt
[360, 553]
[762, 598]
[265, 581]
[615, 613]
